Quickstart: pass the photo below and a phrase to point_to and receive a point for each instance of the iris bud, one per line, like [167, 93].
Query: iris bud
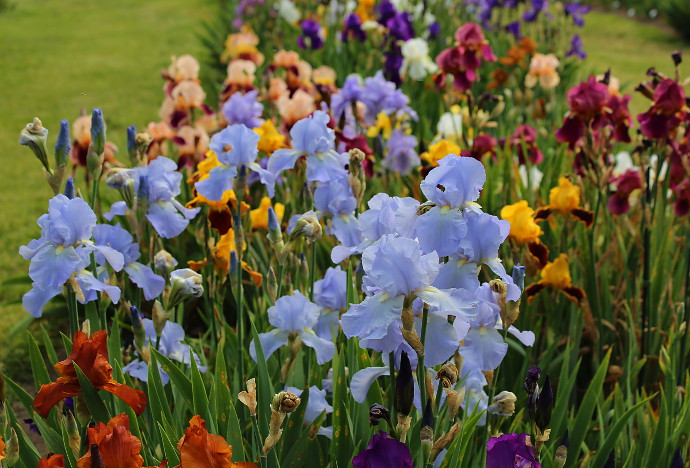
[377, 412]
[544, 406]
[503, 404]
[69, 189]
[62, 145]
[132, 144]
[404, 386]
[448, 375]
[34, 135]
[184, 283]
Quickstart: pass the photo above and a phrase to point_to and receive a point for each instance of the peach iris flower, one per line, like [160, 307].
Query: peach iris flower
[199, 449]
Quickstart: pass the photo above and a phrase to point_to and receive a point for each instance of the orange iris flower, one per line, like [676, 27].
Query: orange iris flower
[3, 455]
[117, 446]
[556, 274]
[91, 355]
[199, 449]
[52, 461]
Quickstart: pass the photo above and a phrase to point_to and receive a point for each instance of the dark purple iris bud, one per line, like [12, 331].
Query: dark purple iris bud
[428, 416]
[677, 57]
[377, 412]
[312, 35]
[611, 460]
[532, 389]
[383, 452]
[404, 386]
[353, 28]
[434, 30]
[677, 461]
[544, 406]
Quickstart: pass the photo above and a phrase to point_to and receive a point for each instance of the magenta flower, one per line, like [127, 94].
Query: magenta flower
[383, 452]
[625, 183]
[663, 117]
[464, 59]
[524, 141]
[510, 451]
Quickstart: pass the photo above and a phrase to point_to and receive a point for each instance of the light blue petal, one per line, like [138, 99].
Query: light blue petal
[218, 182]
[51, 266]
[483, 349]
[347, 229]
[325, 167]
[37, 298]
[89, 284]
[324, 349]
[144, 277]
[166, 219]
[293, 313]
[457, 274]
[118, 208]
[441, 229]
[363, 380]
[526, 337]
[112, 256]
[282, 160]
[460, 302]
[441, 340]
[370, 318]
[270, 342]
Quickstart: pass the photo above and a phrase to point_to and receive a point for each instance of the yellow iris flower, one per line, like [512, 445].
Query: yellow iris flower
[270, 139]
[259, 216]
[440, 150]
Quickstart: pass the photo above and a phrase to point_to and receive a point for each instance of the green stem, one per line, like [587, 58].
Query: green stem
[73, 311]
[391, 393]
[686, 308]
[312, 271]
[421, 374]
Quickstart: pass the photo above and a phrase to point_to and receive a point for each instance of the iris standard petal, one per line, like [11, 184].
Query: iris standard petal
[270, 341]
[441, 229]
[370, 318]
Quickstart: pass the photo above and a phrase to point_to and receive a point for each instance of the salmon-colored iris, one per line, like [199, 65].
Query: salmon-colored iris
[199, 449]
[91, 355]
[556, 275]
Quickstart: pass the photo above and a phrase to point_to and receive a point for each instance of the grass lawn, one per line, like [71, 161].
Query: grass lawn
[58, 57]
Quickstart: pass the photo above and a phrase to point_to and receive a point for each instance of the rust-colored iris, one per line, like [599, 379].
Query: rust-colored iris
[53, 460]
[91, 355]
[199, 449]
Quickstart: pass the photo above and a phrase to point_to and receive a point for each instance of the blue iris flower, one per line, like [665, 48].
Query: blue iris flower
[295, 316]
[311, 138]
[330, 294]
[171, 346]
[63, 250]
[316, 405]
[335, 198]
[140, 274]
[380, 95]
[235, 146]
[243, 109]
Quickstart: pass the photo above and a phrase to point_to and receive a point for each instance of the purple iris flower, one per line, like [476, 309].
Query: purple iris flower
[159, 184]
[383, 452]
[538, 6]
[577, 11]
[312, 35]
[330, 293]
[510, 450]
[336, 199]
[171, 346]
[294, 315]
[514, 29]
[400, 26]
[63, 250]
[401, 154]
[576, 47]
[140, 274]
[244, 109]
[349, 94]
[32, 425]
[242, 143]
[380, 95]
[392, 65]
[312, 138]
[386, 11]
[353, 28]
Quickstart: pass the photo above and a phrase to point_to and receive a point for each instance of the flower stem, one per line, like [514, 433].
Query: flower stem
[73, 311]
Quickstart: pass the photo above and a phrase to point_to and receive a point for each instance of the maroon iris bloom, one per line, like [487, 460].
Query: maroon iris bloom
[666, 112]
[619, 202]
[510, 451]
[465, 58]
[482, 144]
[524, 141]
[384, 452]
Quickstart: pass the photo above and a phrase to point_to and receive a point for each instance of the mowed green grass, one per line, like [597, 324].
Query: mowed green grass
[629, 48]
[58, 57]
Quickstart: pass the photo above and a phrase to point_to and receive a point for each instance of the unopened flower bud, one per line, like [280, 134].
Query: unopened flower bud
[184, 283]
[562, 452]
[62, 145]
[677, 56]
[164, 262]
[303, 265]
[97, 132]
[160, 317]
[143, 141]
[239, 234]
[116, 178]
[426, 433]
[272, 284]
[132, 144]
[69, 189]
[377, 412]
[86, 327]
[285, 402]
[544, 406]
[519, 276]
[448, 375]
[404, 386]
[12, 449]
[454, 399]
[307, 226]
[503, 404]
[74, 438]
[35, 136]
[138, 328]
